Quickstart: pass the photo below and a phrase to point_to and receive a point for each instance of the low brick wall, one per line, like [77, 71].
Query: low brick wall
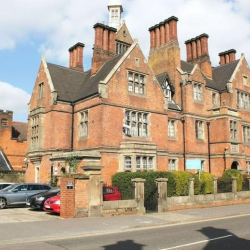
[119, 207]
[12, 176]
[208, 200]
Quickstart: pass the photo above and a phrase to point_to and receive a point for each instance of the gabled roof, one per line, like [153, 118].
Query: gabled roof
[162, 78]
[73, 85]
[90, 85]
[186, 67]
[66, 81]
[222, 74]
[4, 163]
[19, 131]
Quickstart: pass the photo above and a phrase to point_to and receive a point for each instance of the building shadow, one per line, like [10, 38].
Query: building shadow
[124, 245]
[222, 239]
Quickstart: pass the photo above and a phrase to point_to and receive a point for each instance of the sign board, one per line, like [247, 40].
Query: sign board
[193, 164]
[70, 185]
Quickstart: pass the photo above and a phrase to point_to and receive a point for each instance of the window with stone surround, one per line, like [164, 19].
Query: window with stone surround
[199, 129]
[121, 47]
[243, 100]
[83, 124]
[136, 83]
[40, 90]
[138, 123]
[172, 128]
[35, 132]
[4, 122]
[248, 166]
[138, 163]
[246, 134]
[233, 130]
[172, 165]
[198, 92]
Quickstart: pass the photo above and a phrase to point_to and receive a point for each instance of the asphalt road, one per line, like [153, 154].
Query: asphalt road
[216, 234]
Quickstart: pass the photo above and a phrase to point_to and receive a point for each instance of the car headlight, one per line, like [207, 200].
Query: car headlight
[57, 202]
[40, 199]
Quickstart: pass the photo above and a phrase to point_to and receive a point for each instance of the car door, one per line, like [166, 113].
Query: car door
[18, 194]
[34, 189]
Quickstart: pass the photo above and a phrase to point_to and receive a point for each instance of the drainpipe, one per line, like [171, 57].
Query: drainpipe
[209, 155]
[72, 126]
[181, 84]
[184, 142]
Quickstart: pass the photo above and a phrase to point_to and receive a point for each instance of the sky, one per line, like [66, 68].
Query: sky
[30, 29]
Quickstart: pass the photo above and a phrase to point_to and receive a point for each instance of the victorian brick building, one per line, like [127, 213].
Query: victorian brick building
[130, 114]
[13, 143]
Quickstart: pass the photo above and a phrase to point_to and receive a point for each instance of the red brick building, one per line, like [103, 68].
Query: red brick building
[13, 143]
[130, 114]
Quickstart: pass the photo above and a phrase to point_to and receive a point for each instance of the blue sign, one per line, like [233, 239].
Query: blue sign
[193, 164]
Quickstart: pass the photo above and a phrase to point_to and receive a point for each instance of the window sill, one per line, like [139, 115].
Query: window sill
[200, 140]
[199, 102]
[137, 94]
[173, 138]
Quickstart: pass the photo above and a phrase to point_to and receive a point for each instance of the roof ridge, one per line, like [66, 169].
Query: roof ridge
[64, 67]
[226, 64]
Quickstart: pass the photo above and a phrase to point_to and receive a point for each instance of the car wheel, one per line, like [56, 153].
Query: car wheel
[3, 203]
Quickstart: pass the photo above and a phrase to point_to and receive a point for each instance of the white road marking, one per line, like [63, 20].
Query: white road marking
[197, 242]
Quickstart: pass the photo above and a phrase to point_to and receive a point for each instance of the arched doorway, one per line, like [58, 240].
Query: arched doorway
[235, 165]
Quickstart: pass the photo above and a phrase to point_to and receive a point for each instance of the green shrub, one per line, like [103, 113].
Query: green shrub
[124, 184]
[206, 181]
[181, 184]
[234, 173]
[224, 184]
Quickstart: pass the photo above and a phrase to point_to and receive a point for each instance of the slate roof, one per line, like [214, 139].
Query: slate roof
[186, 67]
[19, 130]
[4, 163]
[222, 74]
[73, 85]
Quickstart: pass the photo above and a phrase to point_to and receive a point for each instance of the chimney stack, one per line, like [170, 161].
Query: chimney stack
[163, 32]
[76, 57]
[197, 52]
[104, 47]
[227, 56]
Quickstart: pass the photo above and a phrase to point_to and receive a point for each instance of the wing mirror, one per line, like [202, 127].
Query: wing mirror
[14, 190]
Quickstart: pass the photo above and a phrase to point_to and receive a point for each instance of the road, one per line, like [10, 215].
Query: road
[215, 234]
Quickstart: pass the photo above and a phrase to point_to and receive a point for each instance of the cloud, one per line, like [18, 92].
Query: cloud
[62, 23]
[14, 99]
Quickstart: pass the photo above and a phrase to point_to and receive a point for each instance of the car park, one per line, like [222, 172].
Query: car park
[17, 194]
[4, 185]
[52, 205]
[36, 201]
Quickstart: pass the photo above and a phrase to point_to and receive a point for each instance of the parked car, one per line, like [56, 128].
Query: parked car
[111, 193]
[4, 185]
[37, 200]
[17, 194]
[52, 205]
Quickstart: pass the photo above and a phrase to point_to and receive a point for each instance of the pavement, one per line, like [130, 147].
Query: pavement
[26, 225]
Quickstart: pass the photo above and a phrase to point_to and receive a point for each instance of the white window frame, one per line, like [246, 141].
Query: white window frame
[198, 92]
[136, 83]
[245, 80]
[172, 164]
[83, 123]
[172, 128]
[233, 130]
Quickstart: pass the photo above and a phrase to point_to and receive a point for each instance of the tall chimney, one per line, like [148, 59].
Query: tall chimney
[76, 57]
[164, 55]
[197, 52]
[227, 56]
[104, 47]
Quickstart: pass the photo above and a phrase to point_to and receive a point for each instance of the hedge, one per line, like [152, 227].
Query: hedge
[124, 184]
[178, 182]
[234, 173]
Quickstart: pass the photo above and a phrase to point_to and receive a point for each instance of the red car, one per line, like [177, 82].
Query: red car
[111, 193]
[52, 205]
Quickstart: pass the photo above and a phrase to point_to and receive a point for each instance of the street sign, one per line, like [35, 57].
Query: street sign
[193, 164]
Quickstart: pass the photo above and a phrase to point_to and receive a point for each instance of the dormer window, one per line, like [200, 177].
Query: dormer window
[167, 90]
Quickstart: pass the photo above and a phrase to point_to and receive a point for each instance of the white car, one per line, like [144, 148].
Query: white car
[4, 185]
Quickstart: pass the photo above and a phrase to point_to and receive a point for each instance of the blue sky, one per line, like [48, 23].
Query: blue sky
[29, 29]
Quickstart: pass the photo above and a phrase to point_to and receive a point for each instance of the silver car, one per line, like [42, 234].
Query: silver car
[17, 194]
